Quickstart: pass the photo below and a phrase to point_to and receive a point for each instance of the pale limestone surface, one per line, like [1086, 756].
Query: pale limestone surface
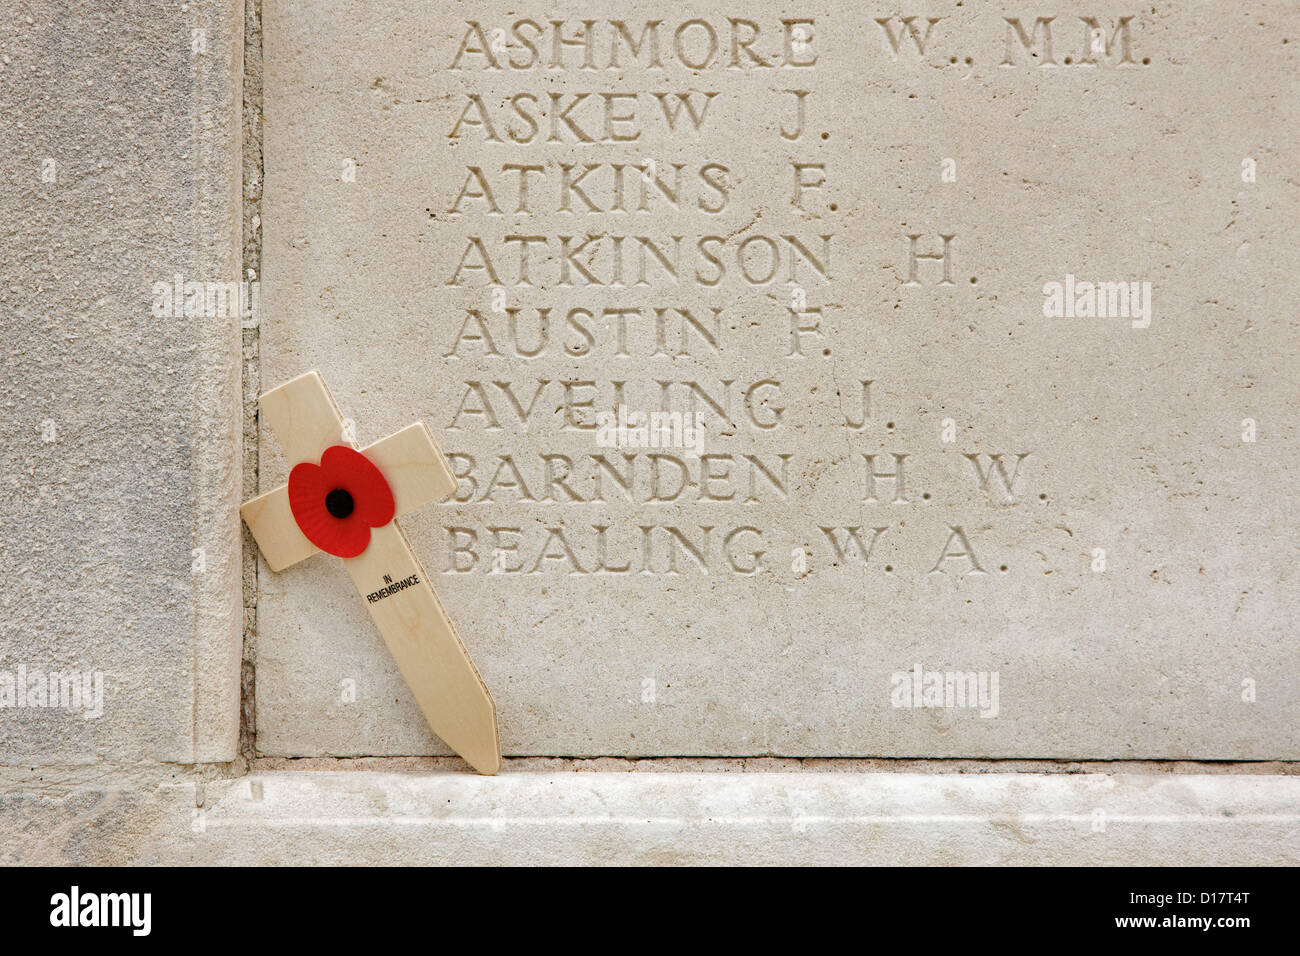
[665, 818]
[1125, 165]
[119, 430]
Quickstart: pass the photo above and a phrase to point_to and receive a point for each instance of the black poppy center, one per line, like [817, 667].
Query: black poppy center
[339, 503]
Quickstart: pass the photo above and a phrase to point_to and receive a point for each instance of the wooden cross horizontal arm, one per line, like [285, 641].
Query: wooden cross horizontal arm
[416, 471]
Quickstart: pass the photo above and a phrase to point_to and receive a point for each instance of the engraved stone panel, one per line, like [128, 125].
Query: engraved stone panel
[820, 380]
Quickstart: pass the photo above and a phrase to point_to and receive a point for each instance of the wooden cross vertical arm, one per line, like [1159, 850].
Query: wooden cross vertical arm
[387, 575]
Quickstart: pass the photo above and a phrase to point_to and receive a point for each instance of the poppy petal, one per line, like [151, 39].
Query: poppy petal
[307, 502]
[371, 496]
[352, 537]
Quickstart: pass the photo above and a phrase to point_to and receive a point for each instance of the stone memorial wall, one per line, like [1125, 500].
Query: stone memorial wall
[820, 380]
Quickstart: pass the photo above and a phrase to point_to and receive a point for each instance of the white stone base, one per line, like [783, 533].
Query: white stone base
[531, 818]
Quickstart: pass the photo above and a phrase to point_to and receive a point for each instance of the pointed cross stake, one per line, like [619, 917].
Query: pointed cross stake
[386, 573]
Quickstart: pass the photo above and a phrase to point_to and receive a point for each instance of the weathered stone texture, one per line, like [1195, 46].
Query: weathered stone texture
[119, 429]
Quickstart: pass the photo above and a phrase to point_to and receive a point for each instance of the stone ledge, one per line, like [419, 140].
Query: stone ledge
[322, 817]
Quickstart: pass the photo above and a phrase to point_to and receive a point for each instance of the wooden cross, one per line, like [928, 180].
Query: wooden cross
[386, 573]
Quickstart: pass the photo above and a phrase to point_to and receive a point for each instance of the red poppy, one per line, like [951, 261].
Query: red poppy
[337, 502]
